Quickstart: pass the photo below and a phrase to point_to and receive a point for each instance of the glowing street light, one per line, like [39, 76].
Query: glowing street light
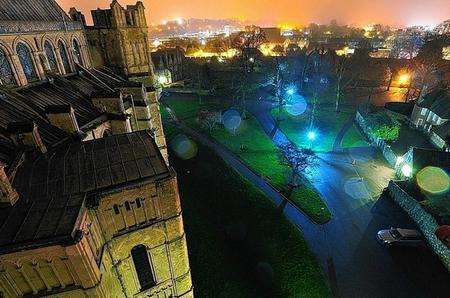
[162, 80]
[404, 79]
[311, 135]
[290, 91]
[251, 59]
[406, 170]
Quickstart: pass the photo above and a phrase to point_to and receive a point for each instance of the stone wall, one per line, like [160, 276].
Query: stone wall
[426, 223]
[385, 149]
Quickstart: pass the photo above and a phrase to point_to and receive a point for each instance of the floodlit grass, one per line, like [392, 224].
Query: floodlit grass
[259, 151]
[256, 149]
[327, 125]
[307, 199]
[231, 227]
[353, 138]
[249, 142]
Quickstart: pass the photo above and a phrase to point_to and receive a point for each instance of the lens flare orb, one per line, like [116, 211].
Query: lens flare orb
[183, 147]
[296, 106]
[231, 120]
[433, 180]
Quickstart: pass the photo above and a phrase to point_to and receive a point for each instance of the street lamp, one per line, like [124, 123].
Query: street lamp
[162, 80]
[311, 135]
[290, 91]
[404, 79]
[407, 170]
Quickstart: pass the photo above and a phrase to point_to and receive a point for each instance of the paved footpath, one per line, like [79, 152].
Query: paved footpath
[363, 268]
[356, 264]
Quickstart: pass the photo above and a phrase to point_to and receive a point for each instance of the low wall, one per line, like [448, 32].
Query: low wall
[426, 223]
[385, 149]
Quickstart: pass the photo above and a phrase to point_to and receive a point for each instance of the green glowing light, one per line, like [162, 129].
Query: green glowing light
[433, 180]
[406, 170]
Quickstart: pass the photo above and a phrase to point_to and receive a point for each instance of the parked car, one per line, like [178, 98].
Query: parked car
[400, 237]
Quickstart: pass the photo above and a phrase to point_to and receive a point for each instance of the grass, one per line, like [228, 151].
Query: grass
[260, 154]
[327, 125]
[353, 138]
[309, 201]
[233, 229]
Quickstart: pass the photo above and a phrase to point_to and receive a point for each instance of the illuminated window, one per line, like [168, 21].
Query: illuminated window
[26, 61]
[127, 206]
[116, 209]
[64, 57]
[50, 53]
[142, 266]
[6, 74]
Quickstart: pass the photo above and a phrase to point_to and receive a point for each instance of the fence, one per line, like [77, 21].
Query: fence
[426, 223]
[385, 148]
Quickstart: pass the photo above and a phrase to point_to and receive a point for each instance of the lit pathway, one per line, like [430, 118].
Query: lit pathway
[363, 267]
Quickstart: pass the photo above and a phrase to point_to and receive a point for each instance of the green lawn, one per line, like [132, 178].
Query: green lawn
[353, 138]
[327, 125]
[232, 230]
[260, 153]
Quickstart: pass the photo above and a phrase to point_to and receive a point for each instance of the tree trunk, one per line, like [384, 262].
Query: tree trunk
[338, 96]
[390, 82]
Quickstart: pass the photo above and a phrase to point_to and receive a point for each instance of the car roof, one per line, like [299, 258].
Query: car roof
[408, 232]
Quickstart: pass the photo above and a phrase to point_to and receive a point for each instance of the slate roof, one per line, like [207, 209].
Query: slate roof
[55, 187]
[437, 101]
[29, 103]
[32, 10]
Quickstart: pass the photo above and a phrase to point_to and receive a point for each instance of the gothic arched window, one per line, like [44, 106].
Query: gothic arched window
[77, 52]
[142, 265]
[6, 74]
[26, 60]
[64, 57]
[50, 53]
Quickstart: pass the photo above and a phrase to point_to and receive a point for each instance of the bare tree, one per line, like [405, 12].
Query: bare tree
[208, 120]
[425, 77]
[247, 42]
[301, 162]
[342, 77]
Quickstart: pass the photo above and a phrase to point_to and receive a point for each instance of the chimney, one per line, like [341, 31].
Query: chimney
[26, 134]
[109, 102]
[8, 195]
[63, 117]
[119, 123]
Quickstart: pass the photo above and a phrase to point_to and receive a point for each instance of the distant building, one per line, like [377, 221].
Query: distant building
[432, 114]
[273, 35]
[169, 61]
[89, 205]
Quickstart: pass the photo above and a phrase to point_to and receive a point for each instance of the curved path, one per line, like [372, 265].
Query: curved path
[352, 192]
[357, 265]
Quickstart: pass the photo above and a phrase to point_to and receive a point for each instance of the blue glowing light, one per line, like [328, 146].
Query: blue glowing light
[290, 91]
[312, 135]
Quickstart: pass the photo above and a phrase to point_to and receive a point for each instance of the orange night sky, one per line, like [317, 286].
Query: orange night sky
[360, 12]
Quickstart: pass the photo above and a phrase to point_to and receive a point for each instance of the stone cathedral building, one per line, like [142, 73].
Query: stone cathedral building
[89, 206]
